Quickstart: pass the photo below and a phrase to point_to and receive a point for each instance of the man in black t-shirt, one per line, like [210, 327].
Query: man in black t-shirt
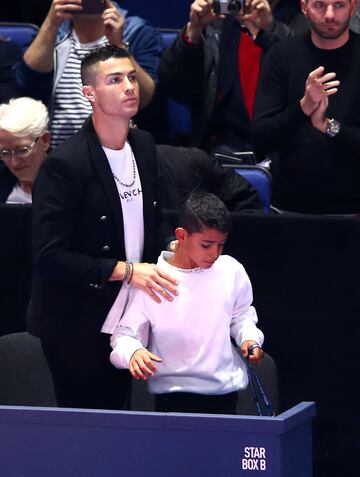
[307, 113]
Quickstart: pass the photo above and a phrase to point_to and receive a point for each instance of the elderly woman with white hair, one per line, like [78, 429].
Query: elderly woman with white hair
[24, 141]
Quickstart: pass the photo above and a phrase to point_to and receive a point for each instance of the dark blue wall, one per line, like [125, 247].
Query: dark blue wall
[160, 13]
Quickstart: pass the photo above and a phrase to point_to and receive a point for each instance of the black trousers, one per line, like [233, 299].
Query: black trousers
[197, 403]
[84, 377]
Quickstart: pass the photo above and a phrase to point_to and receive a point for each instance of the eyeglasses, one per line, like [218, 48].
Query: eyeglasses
[21, 152]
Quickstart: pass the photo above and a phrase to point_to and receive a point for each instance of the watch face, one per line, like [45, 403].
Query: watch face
[333, 128]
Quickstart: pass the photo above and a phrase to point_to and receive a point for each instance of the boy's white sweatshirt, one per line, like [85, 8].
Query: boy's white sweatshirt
[192, 333]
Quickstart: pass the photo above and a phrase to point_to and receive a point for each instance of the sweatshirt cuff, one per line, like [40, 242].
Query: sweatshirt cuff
[251, 335]
[125, 347]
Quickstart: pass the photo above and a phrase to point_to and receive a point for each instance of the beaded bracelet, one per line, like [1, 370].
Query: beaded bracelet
[127, 271]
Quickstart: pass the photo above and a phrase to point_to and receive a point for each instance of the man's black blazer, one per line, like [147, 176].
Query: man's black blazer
[78, 235]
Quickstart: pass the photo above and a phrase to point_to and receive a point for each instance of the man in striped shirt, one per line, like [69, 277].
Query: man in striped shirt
[50, 68]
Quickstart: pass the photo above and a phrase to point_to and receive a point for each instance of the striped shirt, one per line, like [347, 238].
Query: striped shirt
[71, 108]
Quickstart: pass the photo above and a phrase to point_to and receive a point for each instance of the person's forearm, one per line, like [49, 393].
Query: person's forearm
[40, 54]
[193, 34]
[271, 131]
[181, 71]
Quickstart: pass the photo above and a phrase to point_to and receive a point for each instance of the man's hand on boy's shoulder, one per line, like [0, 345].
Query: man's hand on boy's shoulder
[252, 351]
[155, 282]
[141, 364]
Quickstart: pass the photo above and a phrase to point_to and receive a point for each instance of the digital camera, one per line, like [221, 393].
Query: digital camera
[229, 7]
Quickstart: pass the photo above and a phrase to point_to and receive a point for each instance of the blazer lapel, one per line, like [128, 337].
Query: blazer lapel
[103, 170]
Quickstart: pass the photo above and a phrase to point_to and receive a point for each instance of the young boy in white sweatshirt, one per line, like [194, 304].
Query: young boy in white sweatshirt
[183, 346]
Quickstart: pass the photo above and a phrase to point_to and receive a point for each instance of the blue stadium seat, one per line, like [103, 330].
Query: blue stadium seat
[179, 115]
[22, 34]
[260, 178]
[168, 35]
[257, 175]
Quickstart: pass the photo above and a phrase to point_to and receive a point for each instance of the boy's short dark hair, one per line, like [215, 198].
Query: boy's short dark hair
[204, 210]
[102, 53]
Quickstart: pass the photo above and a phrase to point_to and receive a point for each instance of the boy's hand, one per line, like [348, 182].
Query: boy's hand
[141, 364]
[254, 355]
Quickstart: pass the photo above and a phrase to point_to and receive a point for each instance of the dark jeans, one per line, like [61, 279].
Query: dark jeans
[196, 403]
[84, 377]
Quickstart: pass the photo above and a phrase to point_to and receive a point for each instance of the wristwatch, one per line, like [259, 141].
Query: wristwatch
[332, 128]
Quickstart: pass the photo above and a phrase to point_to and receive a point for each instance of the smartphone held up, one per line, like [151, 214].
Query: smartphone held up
[91, 7]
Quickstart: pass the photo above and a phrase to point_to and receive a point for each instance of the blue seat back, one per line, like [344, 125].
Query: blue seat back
[260, 179]
[22, 34]
[168, 35]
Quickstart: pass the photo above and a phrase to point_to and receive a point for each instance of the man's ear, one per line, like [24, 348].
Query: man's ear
[353, 7]
[88, 92]
[303, 4]
[181, 234]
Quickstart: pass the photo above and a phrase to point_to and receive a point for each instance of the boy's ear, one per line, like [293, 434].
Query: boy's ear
[180, 234]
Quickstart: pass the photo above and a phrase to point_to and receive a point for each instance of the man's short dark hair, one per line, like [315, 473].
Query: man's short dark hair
[102, 53]
[204, 210]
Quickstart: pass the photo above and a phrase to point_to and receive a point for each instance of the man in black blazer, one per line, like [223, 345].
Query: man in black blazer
[96, 221]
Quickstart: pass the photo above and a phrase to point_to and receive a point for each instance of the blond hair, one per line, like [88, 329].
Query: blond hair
[24, 117]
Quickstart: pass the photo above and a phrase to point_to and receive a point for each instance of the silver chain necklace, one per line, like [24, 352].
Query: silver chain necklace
[134, 174]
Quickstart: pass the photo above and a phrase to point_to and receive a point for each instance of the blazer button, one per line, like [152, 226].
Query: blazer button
[155, 203]
[103, 217]
[105, 248]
